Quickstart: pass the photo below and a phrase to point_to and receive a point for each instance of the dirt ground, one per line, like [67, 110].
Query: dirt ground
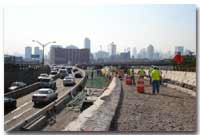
[171, 110]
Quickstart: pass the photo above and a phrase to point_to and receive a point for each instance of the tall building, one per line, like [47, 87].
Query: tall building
[41, 55]
[36, 50]
[37, 53]
[134, 52]
[112, 49]
[150, 52]
[28, 52]
[87, 43]
[69, 56]
[101, 55]
[142, 53]
[179, 49]
[125, 56]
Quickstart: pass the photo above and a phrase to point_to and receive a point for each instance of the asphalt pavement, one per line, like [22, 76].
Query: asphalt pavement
[170, 110]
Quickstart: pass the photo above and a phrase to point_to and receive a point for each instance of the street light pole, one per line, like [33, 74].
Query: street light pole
[43, 46]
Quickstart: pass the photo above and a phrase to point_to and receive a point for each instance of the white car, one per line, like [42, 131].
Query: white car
[53, 73]
[44, 95]
[69, 80]
[43, 75]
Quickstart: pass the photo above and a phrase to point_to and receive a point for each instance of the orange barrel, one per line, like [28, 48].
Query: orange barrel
[128, 80]
[140, 85]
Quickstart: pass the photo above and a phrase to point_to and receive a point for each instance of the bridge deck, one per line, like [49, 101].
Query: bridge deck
[171, 110]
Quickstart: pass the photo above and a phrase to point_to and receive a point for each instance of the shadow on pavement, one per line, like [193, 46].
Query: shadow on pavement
[172, 96]
[162, 94]
[114, 124]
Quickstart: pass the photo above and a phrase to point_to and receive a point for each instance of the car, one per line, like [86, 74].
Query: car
[62, 73]
[47, 82]
[63, 67]
[69, 69]
[78, 75]
[44, 95]
[53, 73]
[54, 69]
[9, 103]
[69, 80]
[75, 70]
[16, 85]
[42, 75]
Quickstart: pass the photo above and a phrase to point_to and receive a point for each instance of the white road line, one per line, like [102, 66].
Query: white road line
[18, 108]
[17, 116]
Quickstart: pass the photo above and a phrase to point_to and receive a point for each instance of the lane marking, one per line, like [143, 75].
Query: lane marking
[18, 108]
[17, 116]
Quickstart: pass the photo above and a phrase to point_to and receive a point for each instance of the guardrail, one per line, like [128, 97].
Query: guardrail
[23, 91]
[54, 107]
[26, 90]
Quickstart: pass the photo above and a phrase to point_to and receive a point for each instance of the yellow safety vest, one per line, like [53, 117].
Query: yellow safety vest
[155, 74]
[142, 72]
[131, 72]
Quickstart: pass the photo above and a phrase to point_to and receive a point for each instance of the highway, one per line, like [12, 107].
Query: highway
[25, 106]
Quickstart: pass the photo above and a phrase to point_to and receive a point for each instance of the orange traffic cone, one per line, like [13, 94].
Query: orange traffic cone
[140, 85]
[128, 80]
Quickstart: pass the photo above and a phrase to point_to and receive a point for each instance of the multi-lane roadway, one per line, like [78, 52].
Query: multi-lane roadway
[25, 106]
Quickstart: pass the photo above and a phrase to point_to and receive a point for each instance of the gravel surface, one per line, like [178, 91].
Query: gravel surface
[171, 110]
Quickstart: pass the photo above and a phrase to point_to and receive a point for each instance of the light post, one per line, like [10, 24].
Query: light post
[43, 46]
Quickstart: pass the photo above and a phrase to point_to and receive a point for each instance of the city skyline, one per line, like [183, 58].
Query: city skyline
[164, 26]
[142, 53]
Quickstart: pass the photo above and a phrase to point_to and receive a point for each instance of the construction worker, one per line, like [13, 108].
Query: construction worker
[155, 74]
[150, 70]
[132, 74]
[141, 72]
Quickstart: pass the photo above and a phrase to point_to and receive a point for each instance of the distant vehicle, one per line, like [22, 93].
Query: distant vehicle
[47, 82]
[62, 73]
[53, 73]
[44, 95]
[75, 70]
[16, 85]
[43, 75]
[54, 69]
[69, 69]
[63, 67]
[78, 75]
[69, 80]
[9, 103]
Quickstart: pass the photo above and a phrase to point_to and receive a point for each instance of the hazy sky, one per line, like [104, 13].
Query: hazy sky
[164, 26]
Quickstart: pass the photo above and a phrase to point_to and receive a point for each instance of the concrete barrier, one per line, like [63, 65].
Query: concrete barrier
[188, 78]
[23, 91]
[181, 78]
[98, 117]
